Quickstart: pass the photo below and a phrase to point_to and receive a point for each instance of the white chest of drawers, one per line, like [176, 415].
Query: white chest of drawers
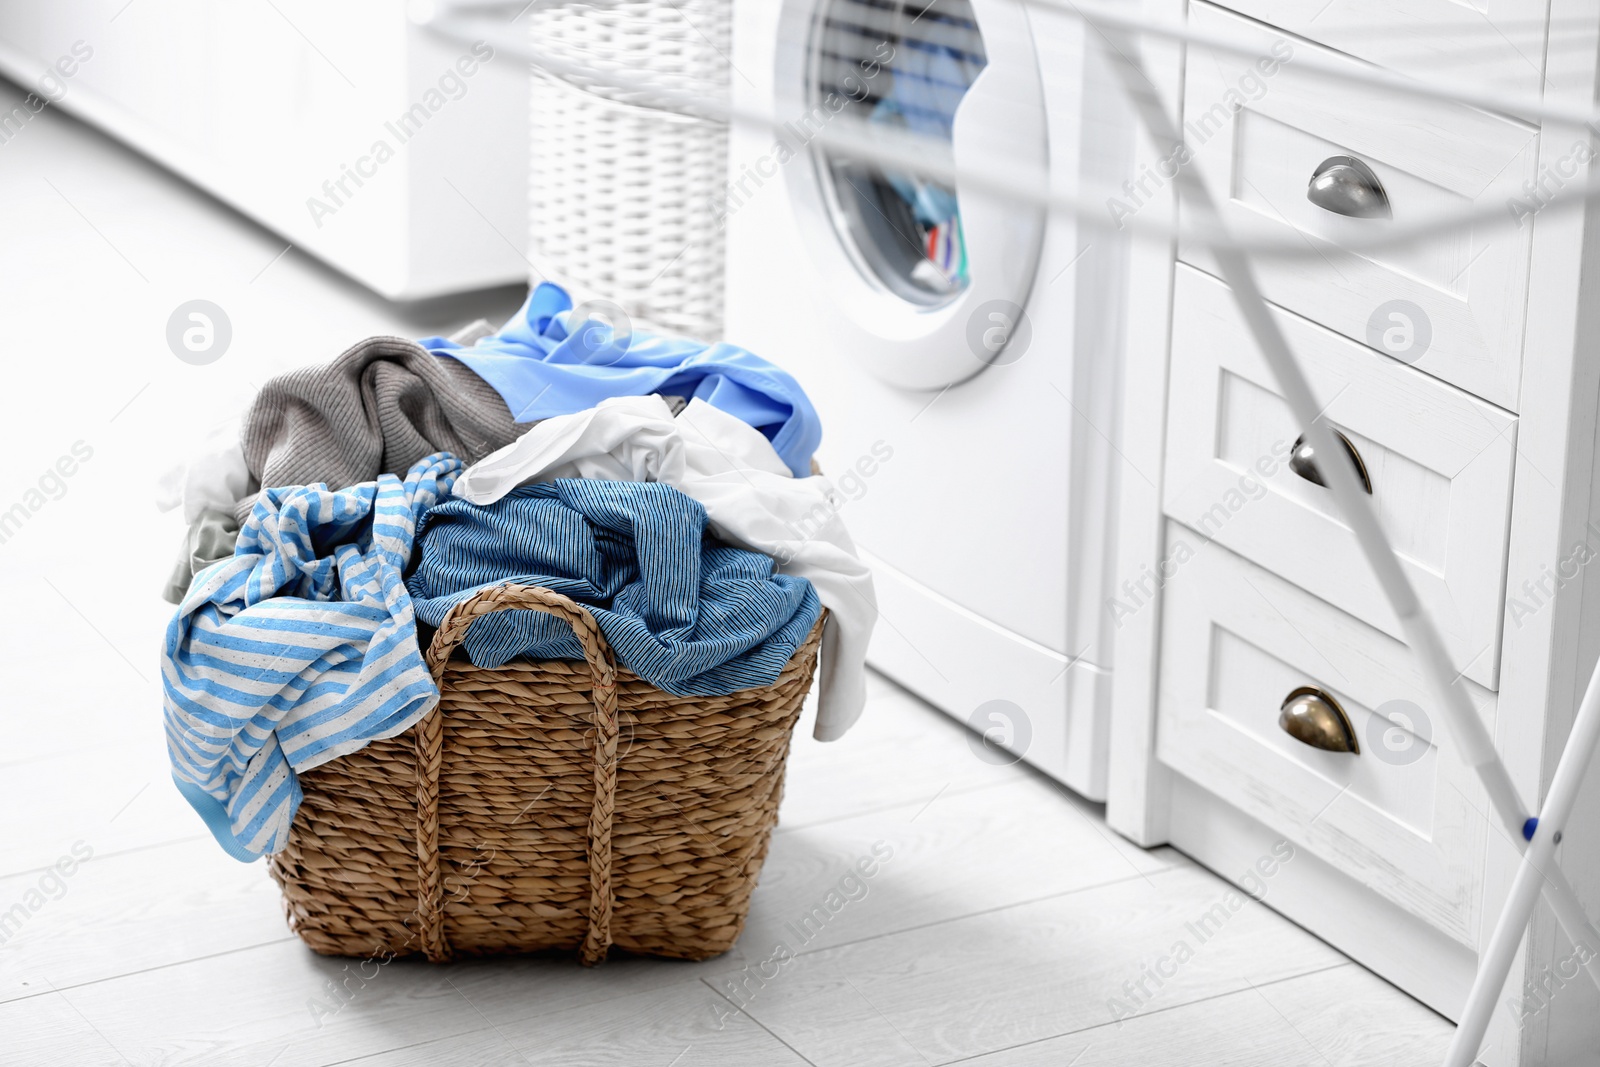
[1476, 425]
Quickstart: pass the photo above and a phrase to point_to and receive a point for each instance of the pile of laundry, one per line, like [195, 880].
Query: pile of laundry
[663, 483]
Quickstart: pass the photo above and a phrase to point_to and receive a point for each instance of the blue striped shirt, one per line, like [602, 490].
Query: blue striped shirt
[299, 649]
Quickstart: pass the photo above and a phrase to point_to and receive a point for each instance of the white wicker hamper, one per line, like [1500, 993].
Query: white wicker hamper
[624, 192]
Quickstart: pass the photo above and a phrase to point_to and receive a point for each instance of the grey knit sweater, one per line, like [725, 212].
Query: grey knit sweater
[376, 409]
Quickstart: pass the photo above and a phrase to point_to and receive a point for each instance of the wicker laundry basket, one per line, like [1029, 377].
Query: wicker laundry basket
[625, 194]
[549, 805]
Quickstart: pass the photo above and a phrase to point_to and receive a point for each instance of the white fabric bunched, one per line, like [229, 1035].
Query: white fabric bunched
[750, 497]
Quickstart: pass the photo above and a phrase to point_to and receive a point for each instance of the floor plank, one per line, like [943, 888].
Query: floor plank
[1016, 841]
[47, 1031]
[1340, 1017]
[1353, 1018]
[930, 755]
[486, 1048]
[1021, 974]
[281, 1004]
[109, 705]
[131, 912]
[682, 1025]
[277, 1003]
[122, 798]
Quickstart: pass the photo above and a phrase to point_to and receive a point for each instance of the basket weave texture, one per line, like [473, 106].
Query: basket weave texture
[549, 805]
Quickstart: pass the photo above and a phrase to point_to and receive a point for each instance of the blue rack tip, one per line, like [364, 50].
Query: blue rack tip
[1529, 827]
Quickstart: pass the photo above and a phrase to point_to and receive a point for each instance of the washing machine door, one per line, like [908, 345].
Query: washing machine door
[925, 280]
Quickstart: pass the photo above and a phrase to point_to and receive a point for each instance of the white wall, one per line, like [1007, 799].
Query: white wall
[261, 103]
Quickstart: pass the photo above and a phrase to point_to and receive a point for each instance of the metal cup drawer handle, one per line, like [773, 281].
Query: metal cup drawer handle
[1311, 716]
[1303, 461]
[1346, 186]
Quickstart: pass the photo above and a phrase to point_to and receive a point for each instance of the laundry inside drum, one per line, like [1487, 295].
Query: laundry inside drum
[902, 66]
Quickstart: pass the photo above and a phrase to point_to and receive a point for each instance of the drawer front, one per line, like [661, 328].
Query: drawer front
[1440, 463]
[1401, 817]
[1451, 305]
[1489, 43]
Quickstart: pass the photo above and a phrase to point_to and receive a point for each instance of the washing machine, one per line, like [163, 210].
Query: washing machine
[960, 342]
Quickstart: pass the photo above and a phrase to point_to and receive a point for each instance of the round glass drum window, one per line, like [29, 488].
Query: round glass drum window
[903, 65]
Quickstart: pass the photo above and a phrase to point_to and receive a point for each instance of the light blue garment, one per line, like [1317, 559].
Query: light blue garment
[685, 612]
[299, 649]
[542, 369]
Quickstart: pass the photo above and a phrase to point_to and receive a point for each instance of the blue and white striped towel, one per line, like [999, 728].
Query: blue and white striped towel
[299, 649]
[685, 612]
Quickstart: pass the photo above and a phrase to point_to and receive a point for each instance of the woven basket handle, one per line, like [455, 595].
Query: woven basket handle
[430, 756]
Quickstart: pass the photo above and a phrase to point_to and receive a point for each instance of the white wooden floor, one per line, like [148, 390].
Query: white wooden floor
[998, 933]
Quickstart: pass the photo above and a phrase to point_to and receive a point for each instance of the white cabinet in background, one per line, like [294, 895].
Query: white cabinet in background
[393, 154]
[1500, 43]
[1483, 454]
[1401, 817]
[1439, 462]
[1430, 157]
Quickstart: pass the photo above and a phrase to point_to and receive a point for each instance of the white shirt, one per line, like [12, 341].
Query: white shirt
[750, 497]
